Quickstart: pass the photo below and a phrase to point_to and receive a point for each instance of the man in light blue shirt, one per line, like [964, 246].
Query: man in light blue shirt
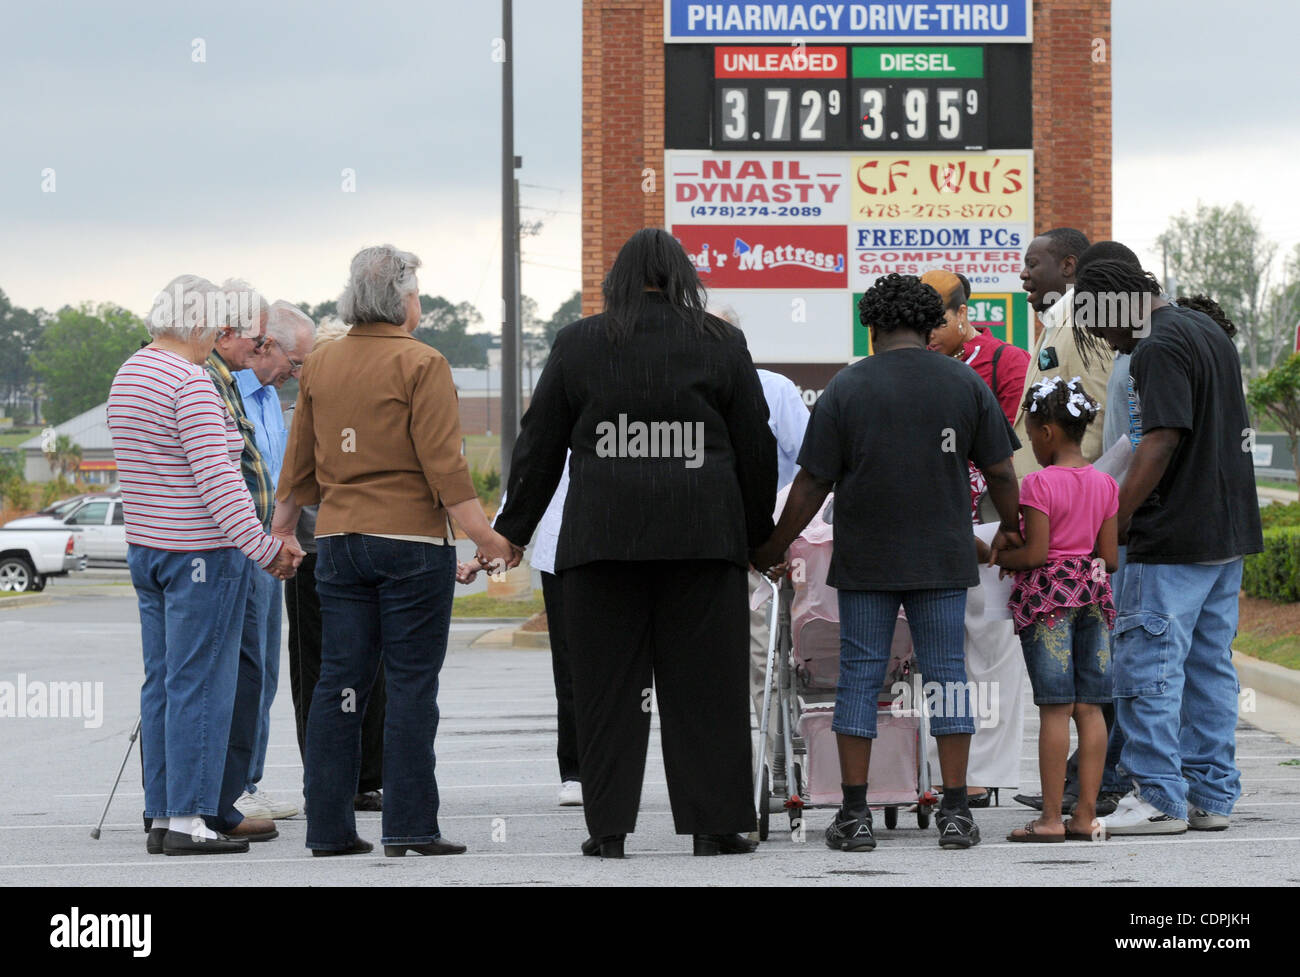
[787, 416]
[288, 339]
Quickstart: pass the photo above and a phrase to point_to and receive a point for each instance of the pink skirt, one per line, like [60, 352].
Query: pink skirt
[1060, 583]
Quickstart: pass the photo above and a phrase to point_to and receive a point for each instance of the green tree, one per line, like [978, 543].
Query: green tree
[1277, 394]
[64, 457]
[445, 326]
[19, 331]
[321, 310]
[1223, 253]
[78, 354]
[570, 310]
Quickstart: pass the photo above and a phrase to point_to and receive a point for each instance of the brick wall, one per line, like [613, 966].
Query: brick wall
[623, 124]
[1072, 134]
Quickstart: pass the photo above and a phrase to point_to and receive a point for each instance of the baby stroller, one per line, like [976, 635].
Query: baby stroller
[803, 658]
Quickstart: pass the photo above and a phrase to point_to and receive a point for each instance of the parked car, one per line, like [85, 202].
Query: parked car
[29, 557]
[97, 519]
[63, 506]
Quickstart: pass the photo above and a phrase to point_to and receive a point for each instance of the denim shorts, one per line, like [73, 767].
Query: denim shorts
[1068, 657]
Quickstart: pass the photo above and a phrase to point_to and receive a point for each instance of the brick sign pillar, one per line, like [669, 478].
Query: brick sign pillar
[623, 123]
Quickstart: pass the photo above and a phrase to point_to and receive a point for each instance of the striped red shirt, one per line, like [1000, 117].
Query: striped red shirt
[177, 451]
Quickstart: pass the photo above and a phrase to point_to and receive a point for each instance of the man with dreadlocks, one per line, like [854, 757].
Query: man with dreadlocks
[1051, 263]
[1190, 513]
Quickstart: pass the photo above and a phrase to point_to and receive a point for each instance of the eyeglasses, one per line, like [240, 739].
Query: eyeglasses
[295, 366]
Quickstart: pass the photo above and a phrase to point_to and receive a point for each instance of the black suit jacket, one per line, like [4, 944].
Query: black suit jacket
[674, 385]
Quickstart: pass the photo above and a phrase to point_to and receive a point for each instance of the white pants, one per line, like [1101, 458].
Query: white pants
[996, 664]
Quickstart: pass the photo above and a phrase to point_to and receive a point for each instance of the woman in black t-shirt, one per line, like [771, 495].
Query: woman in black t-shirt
[892, 435]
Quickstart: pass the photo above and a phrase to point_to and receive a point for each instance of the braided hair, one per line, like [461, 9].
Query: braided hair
[1207, 306]
[1053, 400]
[1099, 285]
[901, 302]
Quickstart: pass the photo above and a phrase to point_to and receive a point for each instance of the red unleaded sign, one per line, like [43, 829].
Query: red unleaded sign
[747, 256]
[780, 62]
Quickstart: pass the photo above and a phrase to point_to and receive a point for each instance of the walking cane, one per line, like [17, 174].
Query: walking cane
[134, 733]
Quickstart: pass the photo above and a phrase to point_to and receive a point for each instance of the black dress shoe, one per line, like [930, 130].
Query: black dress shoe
[154, 843]
[982, 799]
[608, 846]
[369, 800]
[179, 843]
[1030, 800]
[439, 847]
[726, 844]
[358, 847]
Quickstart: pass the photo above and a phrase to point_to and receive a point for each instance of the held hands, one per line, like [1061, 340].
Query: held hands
[466, 572]
[769, 562]
[1005, 539]
[496, 555]
[286, 562]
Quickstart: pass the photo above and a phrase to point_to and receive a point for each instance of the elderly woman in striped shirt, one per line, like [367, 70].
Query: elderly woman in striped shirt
[191, 531]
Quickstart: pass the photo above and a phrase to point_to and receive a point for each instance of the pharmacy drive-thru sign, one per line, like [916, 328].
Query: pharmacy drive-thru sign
[812, 147]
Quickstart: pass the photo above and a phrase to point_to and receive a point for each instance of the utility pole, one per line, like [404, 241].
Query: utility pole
[509, 248]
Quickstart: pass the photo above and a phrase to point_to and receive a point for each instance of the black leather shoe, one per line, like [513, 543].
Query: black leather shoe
[358, 847]
[439, 847]
[370, 800]
[983, 799]
[179, 843]
[609, 846]
[727, 844]
[154, 843]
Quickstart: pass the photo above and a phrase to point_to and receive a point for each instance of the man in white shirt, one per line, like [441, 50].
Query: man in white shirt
[1051, 261]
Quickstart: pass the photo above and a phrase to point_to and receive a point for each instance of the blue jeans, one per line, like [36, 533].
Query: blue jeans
[263, 632]
[241, 747]
[1111, 781]
[390, 597]
[867, 620]
[1175, 686]
[191, 656]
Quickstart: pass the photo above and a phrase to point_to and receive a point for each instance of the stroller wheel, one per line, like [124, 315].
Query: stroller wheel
[765, 805]
[891, 818]
[922, 817]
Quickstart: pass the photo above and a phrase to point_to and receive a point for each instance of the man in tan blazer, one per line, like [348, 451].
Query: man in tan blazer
[1048, 276]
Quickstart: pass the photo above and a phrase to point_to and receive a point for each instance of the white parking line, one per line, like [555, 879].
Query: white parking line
[763, 852]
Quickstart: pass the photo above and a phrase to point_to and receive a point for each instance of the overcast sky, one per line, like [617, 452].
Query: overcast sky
[233, 166]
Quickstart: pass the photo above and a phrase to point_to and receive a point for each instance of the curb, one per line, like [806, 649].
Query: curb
[26, 600]
[1281, 683]
[511, 636]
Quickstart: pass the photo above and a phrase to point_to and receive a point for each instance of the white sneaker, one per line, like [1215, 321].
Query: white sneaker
[260, 805]
[251, 806]
[1134, 816]
[571, 794]
[1201, 820]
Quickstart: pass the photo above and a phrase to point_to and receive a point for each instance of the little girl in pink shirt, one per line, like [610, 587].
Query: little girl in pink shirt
[1062, 601]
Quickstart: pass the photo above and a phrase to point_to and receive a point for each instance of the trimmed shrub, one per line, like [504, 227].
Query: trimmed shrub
[1275, 574]
[1280, 515]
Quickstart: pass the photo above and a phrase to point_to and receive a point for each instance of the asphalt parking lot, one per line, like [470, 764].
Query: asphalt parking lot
[497, 776]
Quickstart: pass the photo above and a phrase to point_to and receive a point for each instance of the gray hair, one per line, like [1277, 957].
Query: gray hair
[330, 330]
[184, 309]
[380, 280]
[242, 308]
[286, 323]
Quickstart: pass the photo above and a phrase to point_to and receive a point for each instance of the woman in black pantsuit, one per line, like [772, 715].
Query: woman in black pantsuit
[671, 484]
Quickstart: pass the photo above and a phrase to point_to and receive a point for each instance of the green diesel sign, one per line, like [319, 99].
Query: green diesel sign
[916, 62]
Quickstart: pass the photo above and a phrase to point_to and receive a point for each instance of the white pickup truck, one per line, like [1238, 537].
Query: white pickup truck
[29, 557]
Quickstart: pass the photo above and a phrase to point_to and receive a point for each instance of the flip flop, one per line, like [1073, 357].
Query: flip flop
[1030, 837]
